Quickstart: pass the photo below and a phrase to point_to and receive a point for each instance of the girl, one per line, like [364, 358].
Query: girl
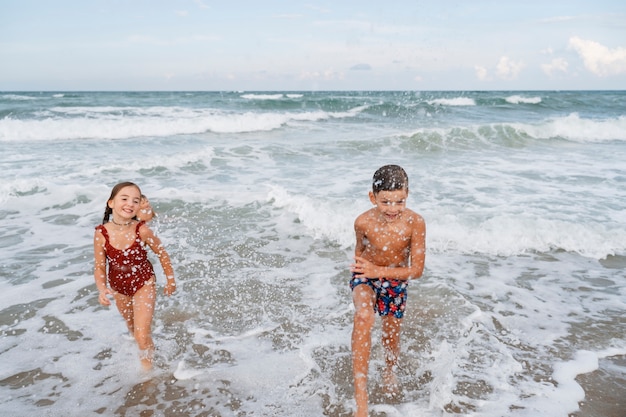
[119, 242]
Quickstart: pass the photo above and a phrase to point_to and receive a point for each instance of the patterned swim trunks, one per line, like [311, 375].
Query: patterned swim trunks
[390, 294]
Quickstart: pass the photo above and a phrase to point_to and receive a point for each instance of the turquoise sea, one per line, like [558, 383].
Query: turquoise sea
[521, 311]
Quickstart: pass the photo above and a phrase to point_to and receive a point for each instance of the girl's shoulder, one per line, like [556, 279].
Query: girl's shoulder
[143, 229]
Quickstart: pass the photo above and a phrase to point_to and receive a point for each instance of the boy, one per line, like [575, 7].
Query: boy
[390, 250]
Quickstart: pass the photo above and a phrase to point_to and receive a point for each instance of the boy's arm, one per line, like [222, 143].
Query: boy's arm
[359, 232]
[418, 247]
[417, 253]
[164, 258]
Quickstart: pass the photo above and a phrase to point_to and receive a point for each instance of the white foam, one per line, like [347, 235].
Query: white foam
[262, 96]
[456, 101]
[575, 128]
[516, 99]
[323, 219]
[119, 123]
[182, 372]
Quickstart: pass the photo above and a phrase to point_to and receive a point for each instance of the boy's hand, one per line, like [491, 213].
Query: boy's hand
[361, 266]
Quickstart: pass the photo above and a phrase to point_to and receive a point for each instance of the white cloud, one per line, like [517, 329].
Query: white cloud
[327, 75]
[481, 72]
[292, 16]
[555, 66]
[361, 67]
[599, 59]
[201, 4]
[151, 40]
[182, 13]
[508, 69]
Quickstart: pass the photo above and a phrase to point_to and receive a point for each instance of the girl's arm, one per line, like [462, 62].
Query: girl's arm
[100, 268]
[148, 236]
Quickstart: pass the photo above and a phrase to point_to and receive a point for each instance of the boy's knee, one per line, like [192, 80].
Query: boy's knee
[364, 316]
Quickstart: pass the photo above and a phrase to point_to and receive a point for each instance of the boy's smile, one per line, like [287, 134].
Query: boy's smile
[391, 204]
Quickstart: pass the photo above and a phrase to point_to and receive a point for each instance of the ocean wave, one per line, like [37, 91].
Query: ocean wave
[18, 97]
[457, 101]
[507, 234]
[262, 96]
[571, 128]
[67, 123]
[277, 96]
[578, 129]
[513, 235]
[516, 99]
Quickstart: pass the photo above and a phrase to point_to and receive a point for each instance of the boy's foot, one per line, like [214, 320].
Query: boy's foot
[391, 388]
[360, 413]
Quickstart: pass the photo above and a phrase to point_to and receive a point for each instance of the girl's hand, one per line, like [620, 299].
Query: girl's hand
[102, 297]
[170, 286]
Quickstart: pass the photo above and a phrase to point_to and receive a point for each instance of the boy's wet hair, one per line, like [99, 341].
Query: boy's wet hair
[390, 178]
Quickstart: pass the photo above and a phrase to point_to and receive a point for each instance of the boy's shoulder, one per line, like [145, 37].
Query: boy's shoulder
[371, 216]
[367, 215]
[413, 216]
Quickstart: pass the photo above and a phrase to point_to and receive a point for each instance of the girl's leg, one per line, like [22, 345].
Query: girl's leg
[363, 298]
[143, 308]
[124, 304]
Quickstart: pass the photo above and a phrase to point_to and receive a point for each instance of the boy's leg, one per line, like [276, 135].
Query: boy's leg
[143, 307]
[363, 298]
[391, 345]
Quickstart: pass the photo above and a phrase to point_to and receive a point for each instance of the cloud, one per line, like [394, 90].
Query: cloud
[599, 59]
[286, 16]
[151, 40]
[182, 13]
[508, 69]
[201, 4]
[555, 66]
[361, 67]
[481, 72]
[327, 75]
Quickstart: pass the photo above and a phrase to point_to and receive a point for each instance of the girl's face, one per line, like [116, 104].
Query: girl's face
[126, 202]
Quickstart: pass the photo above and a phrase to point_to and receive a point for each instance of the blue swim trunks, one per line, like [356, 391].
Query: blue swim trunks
[390, 294]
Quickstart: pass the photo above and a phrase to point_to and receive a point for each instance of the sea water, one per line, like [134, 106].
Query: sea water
[520, 311]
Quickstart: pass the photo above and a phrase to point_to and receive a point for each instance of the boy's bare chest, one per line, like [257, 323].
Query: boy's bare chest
[390, 239]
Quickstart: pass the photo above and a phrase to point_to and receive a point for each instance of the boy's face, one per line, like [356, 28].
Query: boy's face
[391, 204]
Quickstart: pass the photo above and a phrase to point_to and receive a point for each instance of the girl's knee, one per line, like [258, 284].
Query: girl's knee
[143, 338]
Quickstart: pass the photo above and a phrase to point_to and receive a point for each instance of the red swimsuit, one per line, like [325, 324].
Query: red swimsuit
[129, 269]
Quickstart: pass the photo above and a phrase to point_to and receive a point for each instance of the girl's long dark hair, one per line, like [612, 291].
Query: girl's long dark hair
[108, 210]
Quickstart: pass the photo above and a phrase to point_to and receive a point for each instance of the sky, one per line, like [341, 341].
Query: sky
[292, 45]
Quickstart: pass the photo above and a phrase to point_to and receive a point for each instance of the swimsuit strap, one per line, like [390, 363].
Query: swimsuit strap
[141, 223]
[104, 232]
